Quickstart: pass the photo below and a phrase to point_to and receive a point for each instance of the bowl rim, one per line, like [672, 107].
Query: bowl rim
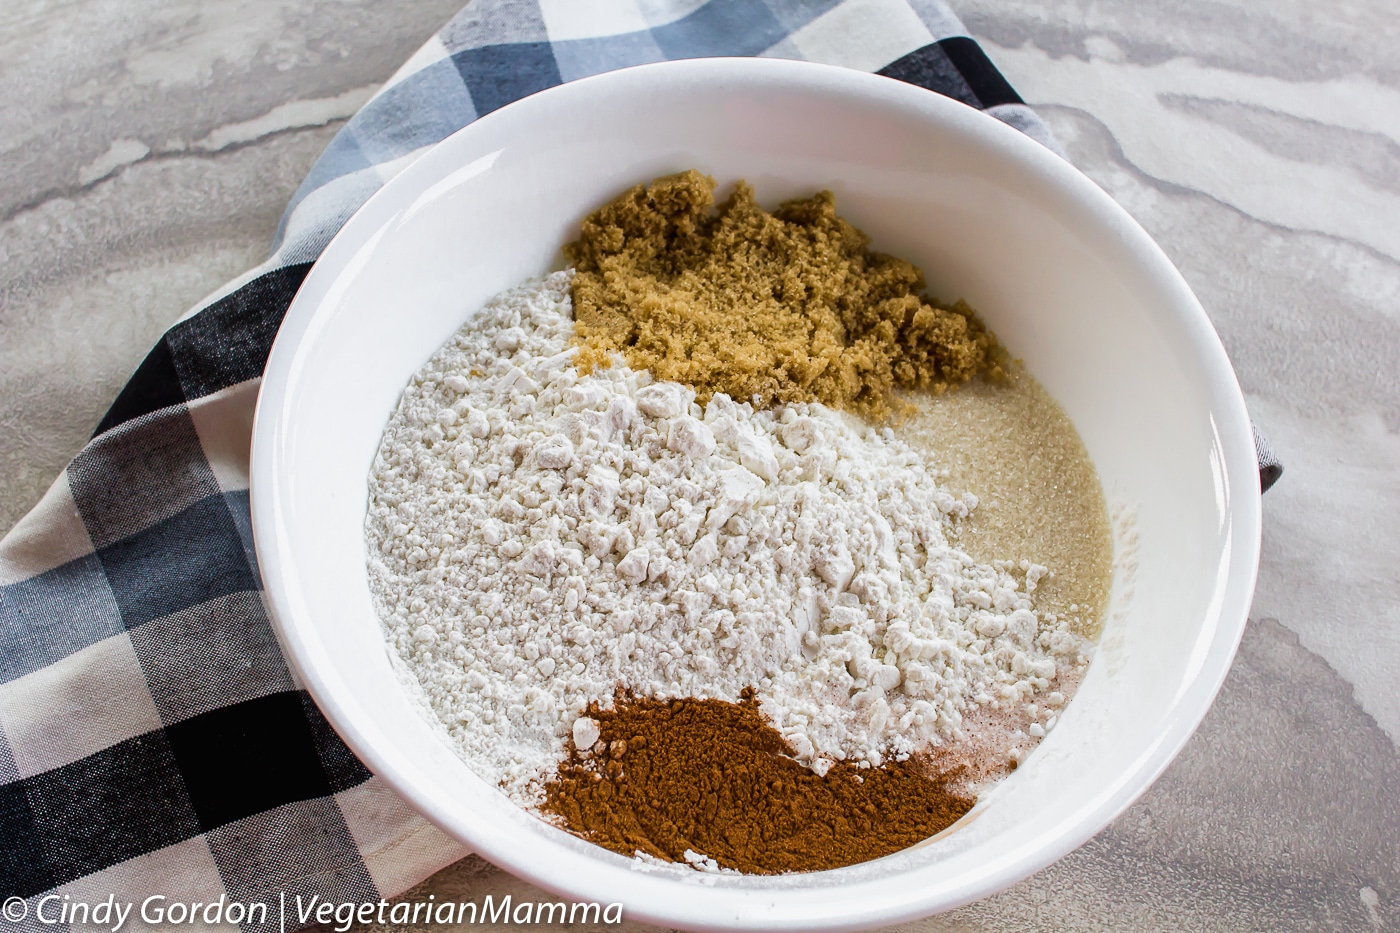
[1234, 439]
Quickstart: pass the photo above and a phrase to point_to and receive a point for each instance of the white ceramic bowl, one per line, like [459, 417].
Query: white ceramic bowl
[1063, 275]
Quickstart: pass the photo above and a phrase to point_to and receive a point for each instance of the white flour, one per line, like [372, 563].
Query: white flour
[539, 538]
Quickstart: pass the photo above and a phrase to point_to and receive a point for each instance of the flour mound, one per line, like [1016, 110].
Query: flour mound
[538, 538]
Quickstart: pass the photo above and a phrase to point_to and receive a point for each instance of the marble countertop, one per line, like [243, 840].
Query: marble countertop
[147, 150]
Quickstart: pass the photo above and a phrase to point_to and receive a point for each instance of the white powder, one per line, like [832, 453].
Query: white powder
[539, 538]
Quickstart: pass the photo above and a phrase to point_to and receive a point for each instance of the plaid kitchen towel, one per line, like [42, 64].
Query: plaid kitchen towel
[153, 740]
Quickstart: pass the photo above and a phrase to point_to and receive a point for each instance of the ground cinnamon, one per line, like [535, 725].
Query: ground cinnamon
[788, 306]
[710, 778]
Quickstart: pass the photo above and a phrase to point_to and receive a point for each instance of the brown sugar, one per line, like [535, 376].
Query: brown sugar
[788, 306]
[708, 777]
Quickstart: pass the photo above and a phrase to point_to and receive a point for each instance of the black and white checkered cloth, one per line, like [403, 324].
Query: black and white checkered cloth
[152, 738]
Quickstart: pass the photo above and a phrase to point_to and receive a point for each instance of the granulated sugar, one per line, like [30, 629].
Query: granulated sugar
[1011, 444]
[539, 539]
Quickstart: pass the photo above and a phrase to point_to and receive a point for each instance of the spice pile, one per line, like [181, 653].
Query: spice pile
[709, 783]
[594, 578]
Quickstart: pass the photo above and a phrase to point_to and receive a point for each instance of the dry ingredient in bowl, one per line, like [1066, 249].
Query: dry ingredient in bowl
[1039, 497]
[709, 783]
[790, 306]
[539, 537]
[648, 547]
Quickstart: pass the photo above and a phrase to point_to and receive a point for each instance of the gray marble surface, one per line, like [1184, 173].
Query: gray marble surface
[147, 149]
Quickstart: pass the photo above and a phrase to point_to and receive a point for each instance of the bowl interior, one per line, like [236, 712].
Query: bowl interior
[1070, 284]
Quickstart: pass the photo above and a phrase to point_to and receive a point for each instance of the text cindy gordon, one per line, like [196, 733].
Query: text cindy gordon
[290, 913]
